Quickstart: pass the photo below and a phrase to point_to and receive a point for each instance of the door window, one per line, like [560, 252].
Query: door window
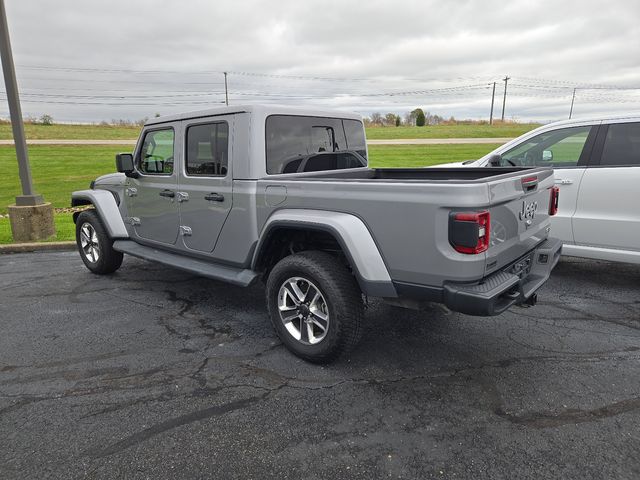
[558, 148]
[622, 145]
[207, 149]
[156, 154]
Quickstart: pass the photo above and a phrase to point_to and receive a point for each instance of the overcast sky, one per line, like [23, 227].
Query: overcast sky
[95, 60]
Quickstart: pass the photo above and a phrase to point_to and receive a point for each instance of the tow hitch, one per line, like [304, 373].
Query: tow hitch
[529, 302]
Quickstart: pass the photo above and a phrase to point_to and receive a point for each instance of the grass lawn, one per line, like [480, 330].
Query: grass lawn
[507, 130]
[72, 132]
[397, 156]
[59, 170]
[106, 132]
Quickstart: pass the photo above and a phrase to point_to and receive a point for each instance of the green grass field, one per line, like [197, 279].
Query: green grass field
[60, 169]
[72, 132]
[56, 170]
[507, 130]
[407, 156]
[106, 132]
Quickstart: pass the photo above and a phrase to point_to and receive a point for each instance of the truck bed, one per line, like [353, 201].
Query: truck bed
[480, 174]
[407, 211]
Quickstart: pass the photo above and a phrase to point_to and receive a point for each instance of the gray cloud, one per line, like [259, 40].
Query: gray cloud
[362, 48]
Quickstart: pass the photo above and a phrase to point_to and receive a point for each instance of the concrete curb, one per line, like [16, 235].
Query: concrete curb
[36, 247]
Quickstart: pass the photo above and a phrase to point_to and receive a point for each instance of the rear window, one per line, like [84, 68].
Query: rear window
[622, 145]
[312, 144]
[207, 149]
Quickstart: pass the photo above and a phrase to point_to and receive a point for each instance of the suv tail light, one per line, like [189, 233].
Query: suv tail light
[469, 231]
[553, 203]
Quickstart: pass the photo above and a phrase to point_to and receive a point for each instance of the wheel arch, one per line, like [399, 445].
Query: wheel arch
[349, 233]
[107, 208]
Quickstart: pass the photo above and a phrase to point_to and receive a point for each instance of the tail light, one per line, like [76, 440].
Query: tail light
[469, 231]
[553, 203]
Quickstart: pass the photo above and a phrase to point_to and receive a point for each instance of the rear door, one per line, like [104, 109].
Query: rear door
[206, 187]
[607, 213]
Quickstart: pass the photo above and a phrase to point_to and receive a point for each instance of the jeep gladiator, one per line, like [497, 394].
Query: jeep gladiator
[285, 195]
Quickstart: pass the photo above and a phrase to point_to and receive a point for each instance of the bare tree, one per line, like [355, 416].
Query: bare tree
[376, 118]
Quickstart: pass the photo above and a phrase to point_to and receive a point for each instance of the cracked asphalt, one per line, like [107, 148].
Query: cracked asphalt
[155, 373]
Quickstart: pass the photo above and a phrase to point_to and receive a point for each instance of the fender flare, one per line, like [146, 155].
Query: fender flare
[107, 208]
[352, 234]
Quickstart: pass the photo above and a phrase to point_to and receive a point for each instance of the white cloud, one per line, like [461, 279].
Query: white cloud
[373, 47]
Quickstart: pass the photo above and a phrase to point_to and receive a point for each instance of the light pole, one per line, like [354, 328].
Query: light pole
[31, 218]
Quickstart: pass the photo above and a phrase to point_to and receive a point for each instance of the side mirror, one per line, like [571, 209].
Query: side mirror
[124, 164]
[547, 156]
[495, 160]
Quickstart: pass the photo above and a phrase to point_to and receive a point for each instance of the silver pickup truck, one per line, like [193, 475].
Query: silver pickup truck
[285, 195]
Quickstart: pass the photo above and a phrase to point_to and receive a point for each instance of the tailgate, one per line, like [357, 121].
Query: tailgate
[519, 207]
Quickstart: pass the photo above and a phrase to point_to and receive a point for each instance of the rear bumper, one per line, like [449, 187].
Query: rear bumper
[514, 285]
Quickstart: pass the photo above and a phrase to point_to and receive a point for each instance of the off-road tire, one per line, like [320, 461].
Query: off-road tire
[108, 260]
[341, 296]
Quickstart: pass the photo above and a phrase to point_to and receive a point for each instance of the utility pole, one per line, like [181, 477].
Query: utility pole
[572, 100]
[226, 90]
[493, 96]
[31, 218]
[504, 99]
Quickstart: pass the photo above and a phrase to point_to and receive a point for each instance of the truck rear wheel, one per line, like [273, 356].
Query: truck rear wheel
[315, 306]
[94, 245]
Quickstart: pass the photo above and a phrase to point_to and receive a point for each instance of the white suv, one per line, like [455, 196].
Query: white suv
[597, 167]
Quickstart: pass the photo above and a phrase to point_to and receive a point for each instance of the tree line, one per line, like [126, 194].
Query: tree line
[417, 117]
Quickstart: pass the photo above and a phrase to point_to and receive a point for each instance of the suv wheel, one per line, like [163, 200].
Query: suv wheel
[94, 245]
[315, 305]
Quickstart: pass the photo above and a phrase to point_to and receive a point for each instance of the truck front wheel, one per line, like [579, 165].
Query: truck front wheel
[94, 245]
[315, 305]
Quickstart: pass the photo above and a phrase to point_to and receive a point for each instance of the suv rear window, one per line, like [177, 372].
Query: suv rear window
[312, 144]
[622, 145]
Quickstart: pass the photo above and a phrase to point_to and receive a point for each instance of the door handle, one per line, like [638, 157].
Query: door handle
[167, 193]
[214, 197]
[560, 181]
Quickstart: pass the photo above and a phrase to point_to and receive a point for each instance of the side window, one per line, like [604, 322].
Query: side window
[208, 149]
[622, 145]
[156, 155]
[558, 148]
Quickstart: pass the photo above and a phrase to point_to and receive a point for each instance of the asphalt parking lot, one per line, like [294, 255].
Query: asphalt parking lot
[155, 373]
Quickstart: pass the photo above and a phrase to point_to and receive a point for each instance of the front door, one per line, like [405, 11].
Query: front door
[567, 150]
[205, 181]
[151, 198]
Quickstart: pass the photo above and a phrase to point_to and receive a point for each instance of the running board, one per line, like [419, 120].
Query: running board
[224, 273]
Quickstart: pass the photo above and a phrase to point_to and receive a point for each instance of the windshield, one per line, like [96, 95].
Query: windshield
[311, 144]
